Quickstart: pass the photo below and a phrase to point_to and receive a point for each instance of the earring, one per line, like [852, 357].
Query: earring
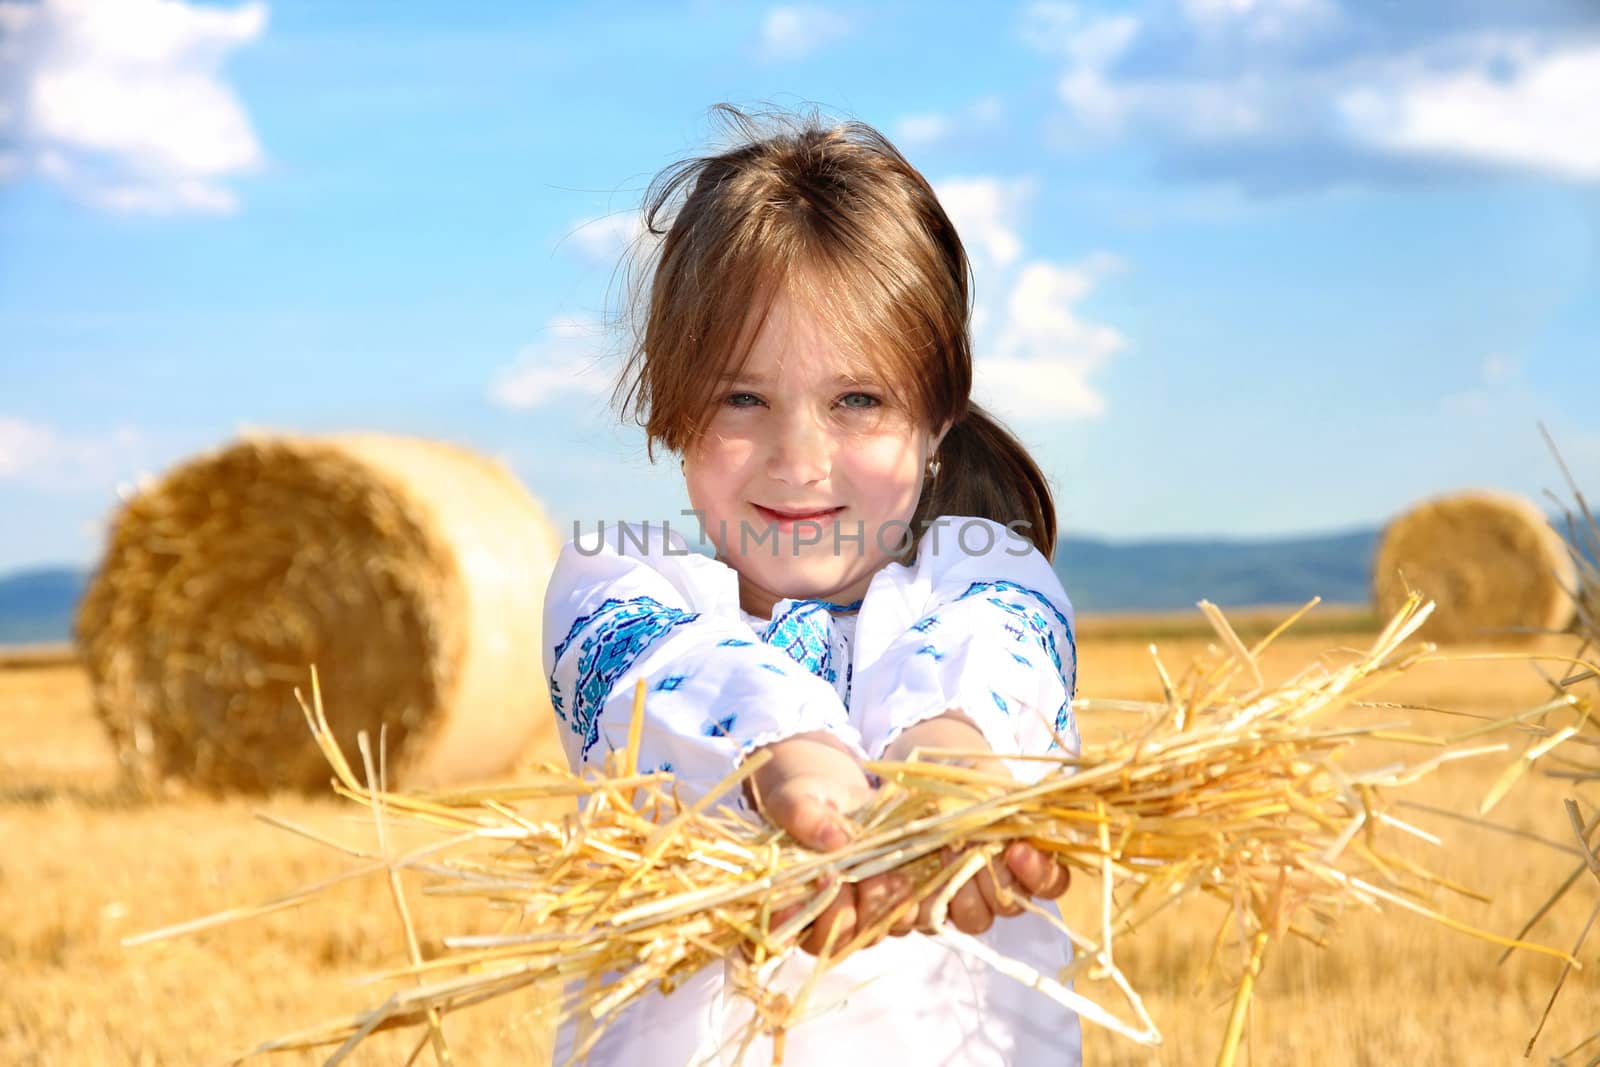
[933, 467]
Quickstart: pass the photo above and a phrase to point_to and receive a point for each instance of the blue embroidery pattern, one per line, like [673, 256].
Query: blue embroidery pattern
[613, 637]
[719, 727]
[804, 632]
[1029, 615]
[835, 609]
[1065, 727]
[929, 650]
[670, 682]
[733, 642]
[774, 668]
[922, 626]
[1000, 702]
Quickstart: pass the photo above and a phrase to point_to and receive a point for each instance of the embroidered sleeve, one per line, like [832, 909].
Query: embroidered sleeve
[995, 642]
[714, 691]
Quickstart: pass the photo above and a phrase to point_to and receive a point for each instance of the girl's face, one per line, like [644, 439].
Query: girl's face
[806, 477]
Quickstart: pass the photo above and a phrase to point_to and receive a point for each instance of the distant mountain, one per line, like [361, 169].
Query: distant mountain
[1173, 575]
[37, 605]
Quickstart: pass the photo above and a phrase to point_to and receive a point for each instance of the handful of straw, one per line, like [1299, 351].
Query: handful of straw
[1228, 787]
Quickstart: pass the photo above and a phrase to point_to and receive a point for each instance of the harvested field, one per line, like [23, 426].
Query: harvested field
[84, 866]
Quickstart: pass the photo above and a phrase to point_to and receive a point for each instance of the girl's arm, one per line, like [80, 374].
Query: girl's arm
[1020, 868]
[714, 691]
[994, 645]
[989, 665]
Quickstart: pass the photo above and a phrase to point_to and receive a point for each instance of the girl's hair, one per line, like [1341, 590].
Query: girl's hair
[835, 215]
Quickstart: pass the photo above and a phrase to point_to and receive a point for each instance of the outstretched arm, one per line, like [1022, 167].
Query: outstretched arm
[1023, 868]
[992, 638]
[810, 787]
[714, 691]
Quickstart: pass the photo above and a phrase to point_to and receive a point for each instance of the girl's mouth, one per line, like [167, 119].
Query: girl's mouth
[787, 519]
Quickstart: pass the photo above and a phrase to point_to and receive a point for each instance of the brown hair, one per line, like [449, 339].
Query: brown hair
[837, 213]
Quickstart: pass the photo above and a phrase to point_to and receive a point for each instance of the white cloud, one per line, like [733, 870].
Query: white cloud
[123, 103]
[1063, 30]
[1270, 20]
[922, 129]
[987, 212]
[603, 239]
[1035, 356]
[37, 454]
[1516, 105]
[23, 445]
[1046, 26]
[790, 33]
[1276, 82]
[1044, 354]
[1035, 389]
[932, 126]
[1105, 104]
[563, 363]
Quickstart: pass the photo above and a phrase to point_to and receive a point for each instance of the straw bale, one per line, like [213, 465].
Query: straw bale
[1489, 561]
[410, 571]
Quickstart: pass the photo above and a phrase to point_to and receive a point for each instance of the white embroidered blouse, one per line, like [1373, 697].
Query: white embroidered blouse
[988, 632]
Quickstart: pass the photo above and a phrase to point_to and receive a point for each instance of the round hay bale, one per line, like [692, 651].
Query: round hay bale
[410, 572]
[1490, 562]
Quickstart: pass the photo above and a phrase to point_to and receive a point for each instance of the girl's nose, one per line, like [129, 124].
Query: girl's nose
[800, 452]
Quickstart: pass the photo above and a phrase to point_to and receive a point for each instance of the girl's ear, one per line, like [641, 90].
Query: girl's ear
[938, 437]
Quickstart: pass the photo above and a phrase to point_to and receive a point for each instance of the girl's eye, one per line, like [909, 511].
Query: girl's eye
[861, 401]
[742, 400]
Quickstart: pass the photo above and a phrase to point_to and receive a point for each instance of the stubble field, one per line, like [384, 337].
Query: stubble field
[82, 865]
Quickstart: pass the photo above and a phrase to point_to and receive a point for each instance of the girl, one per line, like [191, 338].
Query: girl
[881, 583]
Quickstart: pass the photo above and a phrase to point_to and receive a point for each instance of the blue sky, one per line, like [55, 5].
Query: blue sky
[1245, 267]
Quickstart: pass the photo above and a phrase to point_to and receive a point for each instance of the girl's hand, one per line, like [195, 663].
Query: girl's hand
[1019, 869]
[808, 789]
[993, 891]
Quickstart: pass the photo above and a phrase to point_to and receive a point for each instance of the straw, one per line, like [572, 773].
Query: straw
[1254, 800]
[1581, 762]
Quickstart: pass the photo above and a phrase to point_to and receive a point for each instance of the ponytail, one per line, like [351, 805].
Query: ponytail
[984, 471]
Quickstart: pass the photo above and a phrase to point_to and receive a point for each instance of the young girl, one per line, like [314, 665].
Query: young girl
[881, 583]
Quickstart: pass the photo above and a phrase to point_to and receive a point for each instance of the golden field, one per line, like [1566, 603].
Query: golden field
[84, 865]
